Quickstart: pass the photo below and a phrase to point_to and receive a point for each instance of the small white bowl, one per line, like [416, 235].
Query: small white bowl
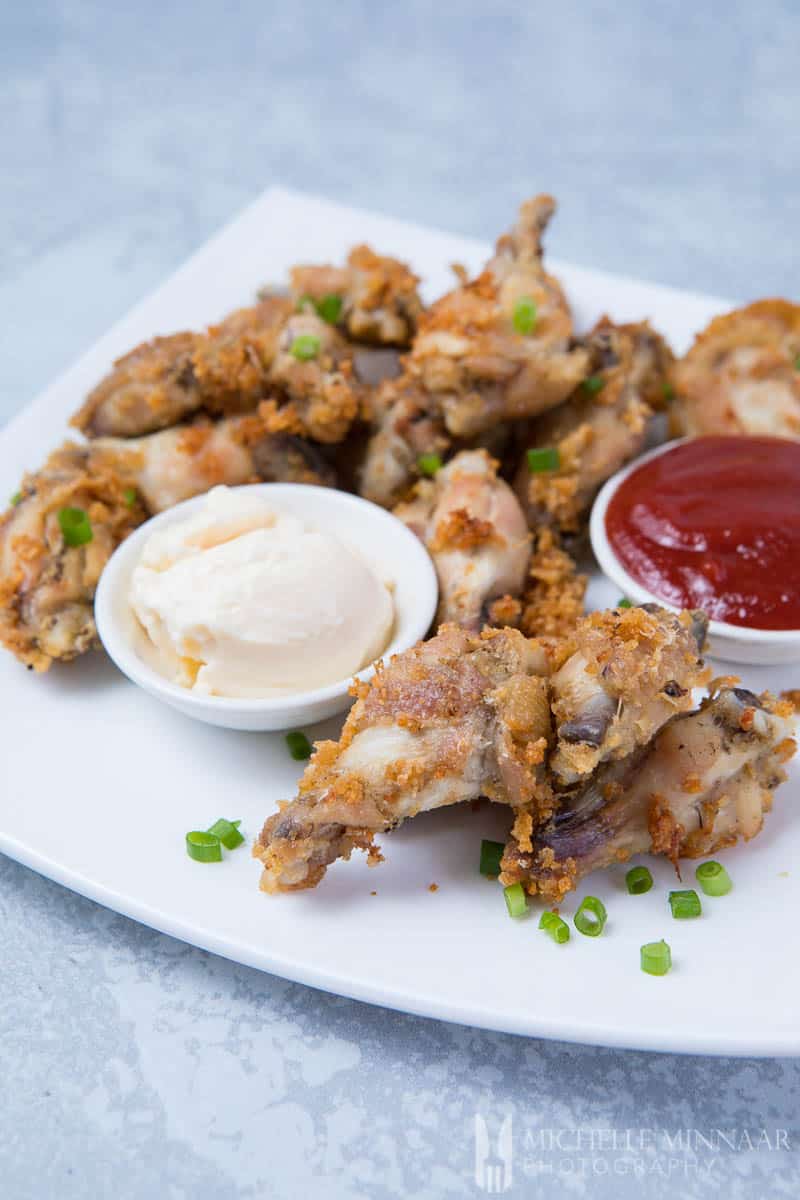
[731, 643]
[386, 543]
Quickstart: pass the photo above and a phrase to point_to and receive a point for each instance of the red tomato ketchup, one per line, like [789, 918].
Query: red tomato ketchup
[714, 523]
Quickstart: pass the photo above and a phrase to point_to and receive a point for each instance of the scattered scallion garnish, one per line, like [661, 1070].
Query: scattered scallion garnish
[491, 853]
[590, 917]
[713, 879]
[516, 900]
[553, 925]
[638, 880]
[129, 496]
[623, 603]
[656, 958]
[525, 314]
[685, 904]
[330, 308]
[543, 458]
[429, 464]
[15, 499]
[305, 347]
[76, 528]
[668, 391]
[594, 384]
[227, 832]
[299, 745]
[797, 363]
[203, 846]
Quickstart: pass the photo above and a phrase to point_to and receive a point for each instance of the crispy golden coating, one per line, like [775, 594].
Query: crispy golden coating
[741, 375]
[552, 602]
[705, 780]
[379, 301]
[599, 428]
[228, 370]
[454, 718]
[404, 427]
[476, 534]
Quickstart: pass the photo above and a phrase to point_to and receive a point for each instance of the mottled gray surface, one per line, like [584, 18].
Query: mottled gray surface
[131, 1065]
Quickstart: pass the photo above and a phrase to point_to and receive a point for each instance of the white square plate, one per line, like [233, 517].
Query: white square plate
[101, 782]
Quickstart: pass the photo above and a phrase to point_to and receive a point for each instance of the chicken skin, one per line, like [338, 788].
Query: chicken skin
[741, 375]
[705, 780]
[268, 351]
[454, 718]
[47, 586]
[476, 533]
[372, 299]
[599, 428]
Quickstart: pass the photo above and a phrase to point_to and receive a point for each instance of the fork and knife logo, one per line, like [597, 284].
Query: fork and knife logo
[493, 1161]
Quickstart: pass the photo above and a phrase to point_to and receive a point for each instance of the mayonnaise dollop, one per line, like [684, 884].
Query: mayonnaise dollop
[244, 600]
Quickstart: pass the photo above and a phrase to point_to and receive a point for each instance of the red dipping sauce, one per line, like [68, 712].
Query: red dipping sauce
[714, 523]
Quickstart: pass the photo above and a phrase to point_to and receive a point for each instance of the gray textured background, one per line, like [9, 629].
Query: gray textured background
[131, 1065]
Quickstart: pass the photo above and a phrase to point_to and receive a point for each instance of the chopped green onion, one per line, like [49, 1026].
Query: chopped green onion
[543, 458]
[305, 347]
[668, 391]
[516, 901]
[203, 847]
[656, 958]
[303, 302]
[525, 314]
[227, 832]
[713, 879]
[685, 904]
[330, 308]
[299, 746]
[429, 464]
[594, 384]
[15, 499]
[76, 528]
[552, 924]
[638, 881]
[491, 853]
[623, 603]
[129, 496]
[797, 363]
[591, 916]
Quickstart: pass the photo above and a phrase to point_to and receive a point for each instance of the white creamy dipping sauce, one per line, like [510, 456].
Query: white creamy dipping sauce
[245, 600]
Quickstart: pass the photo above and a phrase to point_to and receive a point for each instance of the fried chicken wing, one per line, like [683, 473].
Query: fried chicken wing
[253, 355]
[372, 299]
[404, 427]
[704, 781]
[625, 672]
[741, 375]
[599, 428]
[471, 354]
[552, 601]
[475, 530]
[457, 717]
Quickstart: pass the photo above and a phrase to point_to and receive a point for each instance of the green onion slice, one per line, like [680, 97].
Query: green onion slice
[638, 880]
[591, 916]
[299, 745]
[491, 853]
[429, 464]
[15, 499]
[129, 496]
[203, 846]
[305, 347]
[76, 528]
[668, 391]
[516, 900]
[525, 314]
[594, 384]
[713, 879]
[543, 458]
[330, 308]
[227, 832]
[656, 958]
[623, 603]
[685, 904]
[797, 363]
[553, 925]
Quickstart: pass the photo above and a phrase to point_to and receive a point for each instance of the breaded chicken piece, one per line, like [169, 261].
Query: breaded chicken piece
[454, 718]
[372, 299]
[705, 780]
[47, 587]
[741, 375]
[404, 427]
[624, 673]
[268, 351]
[599, 428]
[476, 534]
[552, 602]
